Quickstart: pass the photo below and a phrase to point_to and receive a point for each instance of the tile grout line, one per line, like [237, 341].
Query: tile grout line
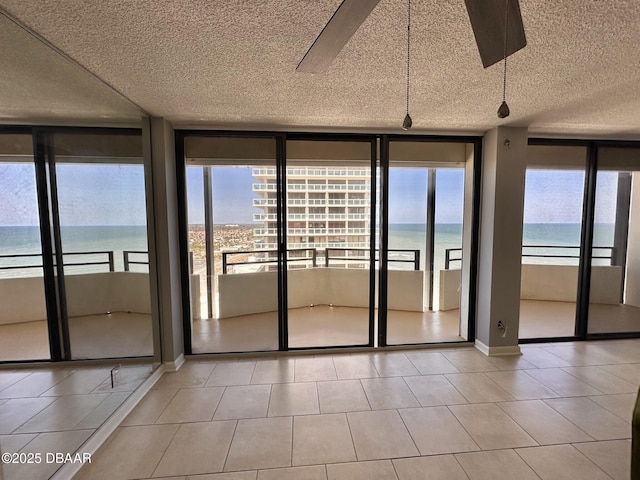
[409, 432]
[155, 422]
[226, 457]
[165, 449]
[412, 393]
[588, 459]
[448, 407]
[455, 456]
[355, 450]
[292, 430]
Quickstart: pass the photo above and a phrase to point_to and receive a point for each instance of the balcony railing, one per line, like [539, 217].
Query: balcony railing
[314, 172]
[267, 257]
[265, 202]
[261, 217]
[265, 231]
[322, 187]
[272, 202]
[544, 251]
[343, 256]
[346, 255]
[264, 187]
[130, 257]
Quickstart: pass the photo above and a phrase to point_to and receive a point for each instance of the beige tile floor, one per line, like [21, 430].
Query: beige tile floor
[56, 409]
[118, 334]
[559, 411]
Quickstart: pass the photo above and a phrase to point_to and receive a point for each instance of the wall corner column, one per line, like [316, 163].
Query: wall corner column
[166, 246]
[500, 243]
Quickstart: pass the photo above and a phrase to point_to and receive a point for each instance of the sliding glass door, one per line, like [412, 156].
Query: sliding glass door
[231, 196]
[551, 240]
[330, 260]
[614, 296]
[284, 240]
[426, 217]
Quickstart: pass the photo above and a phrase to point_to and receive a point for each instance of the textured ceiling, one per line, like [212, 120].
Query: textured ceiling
[39, 86]
[231, 63]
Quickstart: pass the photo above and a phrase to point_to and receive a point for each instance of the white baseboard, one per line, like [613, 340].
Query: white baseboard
[175, 365]
[95, 441]
[498, 351]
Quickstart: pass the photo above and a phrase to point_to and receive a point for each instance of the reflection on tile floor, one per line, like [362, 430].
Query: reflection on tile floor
[543, 319]
[55, 410]
[559, 411]
[317, 326]
[321, 326]
[130, 335]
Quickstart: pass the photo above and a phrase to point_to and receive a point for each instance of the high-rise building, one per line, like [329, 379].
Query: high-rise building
[327, 207]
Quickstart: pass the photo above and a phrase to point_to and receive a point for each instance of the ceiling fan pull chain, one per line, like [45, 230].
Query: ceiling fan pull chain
[407, 123]
[503, 111]
[408, 49]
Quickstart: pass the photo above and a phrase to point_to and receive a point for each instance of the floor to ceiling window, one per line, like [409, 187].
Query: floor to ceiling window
[231, 199]
[329, 213]
[614, 296]
[552, 226]
[282, 240]
[426, 217]
[24, 332]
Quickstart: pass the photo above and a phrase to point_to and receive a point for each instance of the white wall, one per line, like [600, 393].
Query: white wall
[501, 209]
[248, 293]
[107, 292]
[632, 292]
[405, 290]
[549, 282]
[556, 283]
[164, 213]
[22, 299]
[559, 283]
[450, 290]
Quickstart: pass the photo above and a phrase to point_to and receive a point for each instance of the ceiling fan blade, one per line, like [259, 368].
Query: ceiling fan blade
[487, 20]
[335, 35]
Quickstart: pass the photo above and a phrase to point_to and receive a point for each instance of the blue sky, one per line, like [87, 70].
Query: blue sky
[114, 195]
[407, 203]
[87, 194]
[557, 196]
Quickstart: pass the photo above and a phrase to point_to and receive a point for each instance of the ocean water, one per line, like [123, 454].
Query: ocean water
[26, 240]
[539, 240]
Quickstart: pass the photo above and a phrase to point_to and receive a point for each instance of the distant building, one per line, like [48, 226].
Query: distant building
[326, 207]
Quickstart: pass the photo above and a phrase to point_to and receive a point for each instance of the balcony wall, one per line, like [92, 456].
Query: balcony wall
[556, 283]
[88, 294]
[249, 293]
